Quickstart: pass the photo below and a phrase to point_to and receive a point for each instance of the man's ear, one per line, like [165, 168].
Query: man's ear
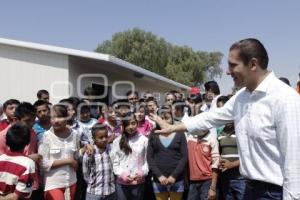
[253, 64]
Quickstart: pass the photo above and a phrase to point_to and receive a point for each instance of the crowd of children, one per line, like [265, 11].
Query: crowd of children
[76, 150]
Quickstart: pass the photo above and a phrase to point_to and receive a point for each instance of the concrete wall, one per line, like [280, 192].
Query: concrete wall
[25, 71]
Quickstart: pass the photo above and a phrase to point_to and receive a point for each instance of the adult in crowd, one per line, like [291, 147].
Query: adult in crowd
[266, 114]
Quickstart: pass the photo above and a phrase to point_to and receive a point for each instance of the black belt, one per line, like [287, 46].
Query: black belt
[256, 183]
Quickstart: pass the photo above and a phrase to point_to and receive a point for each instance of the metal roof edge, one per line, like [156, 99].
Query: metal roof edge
[92, 55]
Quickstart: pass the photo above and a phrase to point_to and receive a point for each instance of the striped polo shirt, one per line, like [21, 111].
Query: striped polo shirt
[16, 174]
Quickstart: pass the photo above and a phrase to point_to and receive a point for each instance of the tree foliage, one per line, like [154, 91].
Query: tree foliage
[179, 63]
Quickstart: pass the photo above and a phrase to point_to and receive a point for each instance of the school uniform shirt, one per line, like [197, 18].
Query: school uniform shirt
[98, 173]
[39, 130]
[16, 174]
[268, 132]
[4, 123]
[85, 128]
[229, 151]
[132, 164]
[54, 148]
[29, 149]
[203, 156]
[116, 131]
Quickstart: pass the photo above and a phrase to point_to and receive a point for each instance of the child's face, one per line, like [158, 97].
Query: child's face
[140, 114]
[111, 114]
[28, 120]
[123, 110]
[167, 117]
[58, 122]
[170, 99]
[101, 139]
[151, 105]
[43, 112]
[133, 98]
[131, 127]
[10, 111]
[71, 111]
[220, 104]
[85, 116]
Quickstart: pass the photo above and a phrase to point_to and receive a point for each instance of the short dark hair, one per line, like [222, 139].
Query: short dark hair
[61, 110]
[222, 99]
[151, 99]
[41, 92]
[83, 106]
[40, 103]
[70, 101]
[213, 86]
[10, 102]
[252, 48]
[285, 80]
[17, 137]
[132, 92]
[179, 105]
[98, 127]
[74, 100]
[25, 109]
[122, 102]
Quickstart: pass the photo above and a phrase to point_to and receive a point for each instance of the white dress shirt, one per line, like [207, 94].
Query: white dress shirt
[267, 126]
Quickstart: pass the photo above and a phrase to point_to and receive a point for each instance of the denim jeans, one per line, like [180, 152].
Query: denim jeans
[259, 190]
[130, 192]
[233, 188]
[97, 197]
[176, 187]
[198, 190]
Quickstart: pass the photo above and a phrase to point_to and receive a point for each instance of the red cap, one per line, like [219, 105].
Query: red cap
[195, 90]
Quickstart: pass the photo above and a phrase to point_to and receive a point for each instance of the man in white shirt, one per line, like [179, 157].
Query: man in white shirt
[266, 113]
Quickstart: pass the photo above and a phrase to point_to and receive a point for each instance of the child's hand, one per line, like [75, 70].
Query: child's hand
[163, 180]
[138, 177]
[73, 164]
[171, 180]
[35, 157]
[225, 164]
[89, 149]
[211, 194]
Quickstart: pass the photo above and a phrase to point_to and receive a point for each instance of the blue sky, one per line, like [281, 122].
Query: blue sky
[203, 25]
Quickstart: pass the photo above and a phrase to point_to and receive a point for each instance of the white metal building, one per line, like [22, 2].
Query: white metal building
[27, 67]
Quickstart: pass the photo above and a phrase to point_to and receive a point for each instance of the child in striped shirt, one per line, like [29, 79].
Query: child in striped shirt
[16, 170]
[97, 168]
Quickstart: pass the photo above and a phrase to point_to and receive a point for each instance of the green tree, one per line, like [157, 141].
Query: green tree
[140, 48]
[179, 63]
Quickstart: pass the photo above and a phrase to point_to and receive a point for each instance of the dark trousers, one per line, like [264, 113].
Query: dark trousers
[260, 190]
[198, 190]
[130, 192]
[232, 188]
